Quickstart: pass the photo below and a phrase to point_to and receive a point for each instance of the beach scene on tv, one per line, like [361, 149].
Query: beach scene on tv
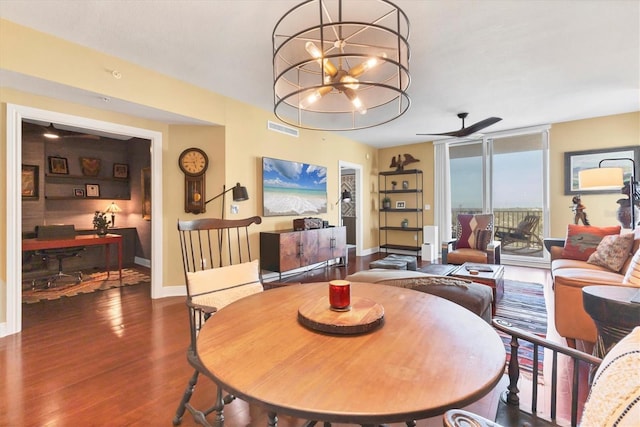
[293, 188]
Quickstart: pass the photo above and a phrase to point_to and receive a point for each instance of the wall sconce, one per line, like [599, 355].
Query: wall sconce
[113, 209]
[603, 178]
[239, 194]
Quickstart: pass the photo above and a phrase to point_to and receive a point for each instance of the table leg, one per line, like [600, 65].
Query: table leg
[273, 419]
[107, 249]
[120, 258]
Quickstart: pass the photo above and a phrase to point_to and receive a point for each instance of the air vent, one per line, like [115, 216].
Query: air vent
[277, 127]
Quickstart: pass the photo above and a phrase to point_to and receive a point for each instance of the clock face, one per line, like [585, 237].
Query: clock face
[193, 161]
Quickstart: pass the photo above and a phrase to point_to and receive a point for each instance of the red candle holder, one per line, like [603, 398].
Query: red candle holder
[340, 295]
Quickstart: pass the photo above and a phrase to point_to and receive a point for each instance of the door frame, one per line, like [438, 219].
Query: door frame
[358, 199]
[15, 114]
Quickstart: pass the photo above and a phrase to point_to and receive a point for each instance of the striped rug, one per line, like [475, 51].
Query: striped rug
[523, 306]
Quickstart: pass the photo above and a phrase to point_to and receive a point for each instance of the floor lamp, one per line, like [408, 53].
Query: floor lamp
[608, 178]
[239, 194]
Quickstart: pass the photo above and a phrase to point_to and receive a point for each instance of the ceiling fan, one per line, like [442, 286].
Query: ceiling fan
[465, 131]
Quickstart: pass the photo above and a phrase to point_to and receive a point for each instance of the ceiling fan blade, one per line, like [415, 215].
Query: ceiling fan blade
[476, 127]
[465, 131]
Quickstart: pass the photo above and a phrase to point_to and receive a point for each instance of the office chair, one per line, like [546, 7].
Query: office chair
[54, 232]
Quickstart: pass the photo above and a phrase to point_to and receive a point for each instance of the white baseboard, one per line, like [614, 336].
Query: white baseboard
[142, 261]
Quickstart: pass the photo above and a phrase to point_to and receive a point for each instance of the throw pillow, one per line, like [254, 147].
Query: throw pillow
[582, 240]
[218, 287]
[612, 251]
[613, 398]
[632, 276]
[468, 225]
[483, 238]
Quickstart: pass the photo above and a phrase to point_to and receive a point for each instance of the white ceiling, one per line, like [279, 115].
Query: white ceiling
[530, 62]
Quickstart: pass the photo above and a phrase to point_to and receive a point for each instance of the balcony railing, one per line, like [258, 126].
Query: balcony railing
[510, 218]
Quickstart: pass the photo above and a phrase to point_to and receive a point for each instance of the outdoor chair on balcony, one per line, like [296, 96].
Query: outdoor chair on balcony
[524, 236]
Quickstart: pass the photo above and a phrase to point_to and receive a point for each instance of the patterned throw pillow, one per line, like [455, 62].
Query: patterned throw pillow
[582, 240]
[468, 226]
[613, 399]
[612, 251]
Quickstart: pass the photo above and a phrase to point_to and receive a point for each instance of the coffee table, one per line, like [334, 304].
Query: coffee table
[493, 278]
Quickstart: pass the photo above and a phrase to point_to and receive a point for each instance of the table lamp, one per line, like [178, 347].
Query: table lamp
[113, 209]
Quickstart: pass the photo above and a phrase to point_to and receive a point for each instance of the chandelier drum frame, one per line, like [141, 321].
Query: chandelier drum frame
[340, 74]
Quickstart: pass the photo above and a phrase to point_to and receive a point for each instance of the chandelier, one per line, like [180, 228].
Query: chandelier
[341, 64]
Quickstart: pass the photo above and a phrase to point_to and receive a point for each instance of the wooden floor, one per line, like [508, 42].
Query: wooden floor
[117, 358]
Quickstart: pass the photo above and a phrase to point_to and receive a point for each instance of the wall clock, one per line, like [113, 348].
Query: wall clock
[194, 163]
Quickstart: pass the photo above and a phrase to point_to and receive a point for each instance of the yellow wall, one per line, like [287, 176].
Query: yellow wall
[235, 147]
[602, 132]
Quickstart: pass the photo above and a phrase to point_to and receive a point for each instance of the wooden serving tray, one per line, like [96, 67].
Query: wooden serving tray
[365, 315]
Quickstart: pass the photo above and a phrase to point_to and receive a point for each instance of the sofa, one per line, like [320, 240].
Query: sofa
[475, 297]
[590, 256]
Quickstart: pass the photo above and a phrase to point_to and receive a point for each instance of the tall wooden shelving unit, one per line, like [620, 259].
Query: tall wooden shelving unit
[408, 189]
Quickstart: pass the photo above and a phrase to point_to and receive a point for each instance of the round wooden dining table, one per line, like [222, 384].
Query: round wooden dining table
[426, 356]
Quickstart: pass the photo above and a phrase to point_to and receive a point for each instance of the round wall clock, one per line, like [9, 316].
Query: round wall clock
[194, 163]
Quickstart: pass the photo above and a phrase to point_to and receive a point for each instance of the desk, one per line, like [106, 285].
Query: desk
[612, 311]
[429, 355]
[89, 240]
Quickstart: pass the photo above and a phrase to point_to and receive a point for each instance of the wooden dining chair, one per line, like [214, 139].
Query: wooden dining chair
[218, 270]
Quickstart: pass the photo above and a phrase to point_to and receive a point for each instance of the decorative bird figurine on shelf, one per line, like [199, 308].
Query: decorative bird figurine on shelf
[399, 164]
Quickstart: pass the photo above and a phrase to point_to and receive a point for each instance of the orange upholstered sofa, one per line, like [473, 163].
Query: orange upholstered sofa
[570, 275]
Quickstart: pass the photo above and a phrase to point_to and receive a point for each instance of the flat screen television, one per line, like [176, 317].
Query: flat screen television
[293, 188]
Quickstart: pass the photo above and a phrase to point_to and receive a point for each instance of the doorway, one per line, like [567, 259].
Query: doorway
[15, 116]
[351, 211]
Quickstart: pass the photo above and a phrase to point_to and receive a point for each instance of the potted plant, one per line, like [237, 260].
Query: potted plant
[393, 185]
[101, 223]
[386, 203]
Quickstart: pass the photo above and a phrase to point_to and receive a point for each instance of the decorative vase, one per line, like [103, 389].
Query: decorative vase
[386, 205]
[404, 223]
[101, 231]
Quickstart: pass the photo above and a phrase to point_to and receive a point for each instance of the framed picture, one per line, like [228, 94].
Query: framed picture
[78, 192]
[146, 194]
[30, 180]
[575, 161]
[90, 167]
[58, 165]
[120, 170]
[400, 205]
[93, 190]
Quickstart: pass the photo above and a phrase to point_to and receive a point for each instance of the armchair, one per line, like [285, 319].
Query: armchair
[473, 242]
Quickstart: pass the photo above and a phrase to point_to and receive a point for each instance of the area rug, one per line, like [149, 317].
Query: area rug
[92, 282]
[523, 306]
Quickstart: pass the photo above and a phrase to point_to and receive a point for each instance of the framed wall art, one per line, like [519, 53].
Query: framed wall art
[78, 192]
[400, 205]
[293, 188]
[120, 170]
[58, 165]
[575, 161]
[92, 190]
[90, 167]
[146, 194]
[30, 182]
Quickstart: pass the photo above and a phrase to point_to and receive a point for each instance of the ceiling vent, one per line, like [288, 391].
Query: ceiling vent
[277, 127]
